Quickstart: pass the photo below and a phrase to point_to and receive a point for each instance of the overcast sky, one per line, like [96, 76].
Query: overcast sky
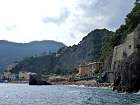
[67, 21]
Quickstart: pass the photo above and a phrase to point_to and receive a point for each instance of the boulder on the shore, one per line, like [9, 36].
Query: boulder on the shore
[34, 80]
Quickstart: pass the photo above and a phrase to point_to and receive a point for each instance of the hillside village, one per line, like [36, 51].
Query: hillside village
[9, 76]
[84, 71]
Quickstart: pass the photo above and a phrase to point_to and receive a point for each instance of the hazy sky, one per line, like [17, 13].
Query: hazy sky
[67, 21]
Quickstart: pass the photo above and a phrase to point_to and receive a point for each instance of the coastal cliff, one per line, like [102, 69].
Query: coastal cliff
[126, 64]
[122, 66]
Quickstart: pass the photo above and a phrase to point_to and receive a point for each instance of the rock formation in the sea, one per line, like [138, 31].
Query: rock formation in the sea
[35, 80]
[126, 63]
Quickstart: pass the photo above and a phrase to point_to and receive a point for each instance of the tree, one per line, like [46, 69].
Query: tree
[137, 1]
[131, 22]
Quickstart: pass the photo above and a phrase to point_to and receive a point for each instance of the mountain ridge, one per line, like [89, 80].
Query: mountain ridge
[13, 51]
[68, 58]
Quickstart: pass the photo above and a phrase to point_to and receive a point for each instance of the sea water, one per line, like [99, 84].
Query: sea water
[23, 94]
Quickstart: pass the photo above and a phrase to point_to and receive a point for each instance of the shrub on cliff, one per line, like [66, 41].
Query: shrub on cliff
[131, 22]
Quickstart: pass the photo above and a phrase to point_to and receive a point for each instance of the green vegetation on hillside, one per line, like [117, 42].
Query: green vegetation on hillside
[102, 44]
[107, 46]
[94, 47]
[38, 64]
[11, 52]
[131, 22]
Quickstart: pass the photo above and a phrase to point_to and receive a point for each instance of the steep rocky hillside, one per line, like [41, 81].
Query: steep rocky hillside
[127, 70]
[68, 58]
[122, 66]
[88, 50]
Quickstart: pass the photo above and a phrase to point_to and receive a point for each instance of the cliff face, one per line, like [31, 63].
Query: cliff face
[127, 74]
[126, 63]
[107, 74]
[88, 50]
[123, 65]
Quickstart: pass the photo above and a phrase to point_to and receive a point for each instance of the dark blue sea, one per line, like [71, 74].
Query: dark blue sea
[23, 94]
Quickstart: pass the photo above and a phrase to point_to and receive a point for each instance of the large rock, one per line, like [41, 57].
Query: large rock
[126, 63]
[35, 80]
[127, 74]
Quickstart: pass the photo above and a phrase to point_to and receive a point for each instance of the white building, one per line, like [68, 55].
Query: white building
[25, 76]
[7, 75]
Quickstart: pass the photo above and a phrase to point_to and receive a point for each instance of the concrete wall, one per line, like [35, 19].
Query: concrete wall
[126, 49]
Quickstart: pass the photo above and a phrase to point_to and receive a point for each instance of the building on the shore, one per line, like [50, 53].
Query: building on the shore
[83, 69]
[87, 69]
[8, 75]
[24, 76]
[95, 66]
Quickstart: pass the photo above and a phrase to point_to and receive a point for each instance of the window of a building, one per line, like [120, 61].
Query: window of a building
[129, 46]
[138, 46]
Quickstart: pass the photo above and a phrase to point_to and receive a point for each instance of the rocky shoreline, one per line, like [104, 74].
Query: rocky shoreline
[89, 83]
[62, 80]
